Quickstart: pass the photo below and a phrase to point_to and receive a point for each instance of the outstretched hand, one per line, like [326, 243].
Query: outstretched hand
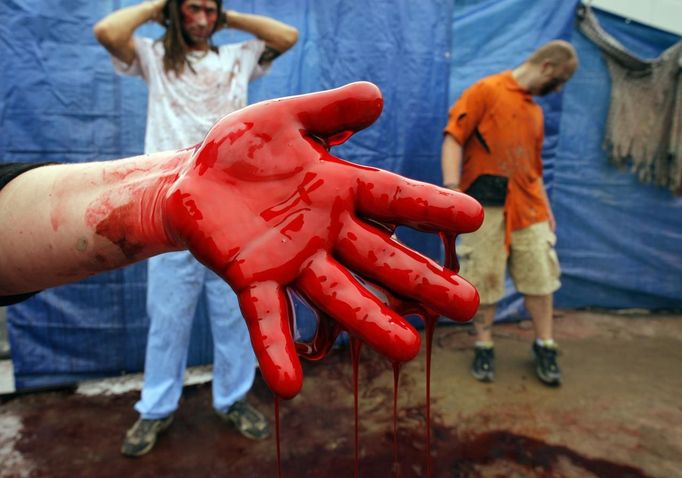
[265, 205]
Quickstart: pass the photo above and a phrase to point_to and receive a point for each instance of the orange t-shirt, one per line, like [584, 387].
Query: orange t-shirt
[501, 131]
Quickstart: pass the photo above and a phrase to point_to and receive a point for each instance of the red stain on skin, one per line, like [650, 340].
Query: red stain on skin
[211, 149]
[121, 174]
[56, 218]
[199, 18]
[128, 212]
[301, 194]
[59, 194]
[295, 225]
[117, 223]
[114, 228]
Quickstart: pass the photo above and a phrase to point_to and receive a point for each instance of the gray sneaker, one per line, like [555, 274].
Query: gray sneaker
[483, 366]
[141, 437]
[247, 420]
[546, 366]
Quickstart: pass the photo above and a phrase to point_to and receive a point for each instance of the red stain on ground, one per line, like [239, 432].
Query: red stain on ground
[66, 435]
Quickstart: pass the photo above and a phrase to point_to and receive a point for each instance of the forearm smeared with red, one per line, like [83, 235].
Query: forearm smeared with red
[68, 222]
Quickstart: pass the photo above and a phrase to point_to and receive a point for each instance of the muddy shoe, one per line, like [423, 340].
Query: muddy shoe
[140, 439]
[483, 367]
[247, 420]
[546, 366]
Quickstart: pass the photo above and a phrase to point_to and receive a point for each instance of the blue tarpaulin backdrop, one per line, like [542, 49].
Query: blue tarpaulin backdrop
[620, 242]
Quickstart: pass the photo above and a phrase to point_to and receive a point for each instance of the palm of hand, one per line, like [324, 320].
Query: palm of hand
[266, 206]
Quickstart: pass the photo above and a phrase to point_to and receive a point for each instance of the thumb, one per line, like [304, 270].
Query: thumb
[335, 115]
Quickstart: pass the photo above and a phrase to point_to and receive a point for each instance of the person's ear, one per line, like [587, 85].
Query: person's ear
[548, 68]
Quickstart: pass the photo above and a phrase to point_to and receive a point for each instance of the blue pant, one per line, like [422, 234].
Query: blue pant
[175, 284]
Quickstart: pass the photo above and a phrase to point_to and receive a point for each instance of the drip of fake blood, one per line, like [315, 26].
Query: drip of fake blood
[279, 455]
[355, 346]
[448, 239]
[396, 378]
[430, 320]
[429, 328]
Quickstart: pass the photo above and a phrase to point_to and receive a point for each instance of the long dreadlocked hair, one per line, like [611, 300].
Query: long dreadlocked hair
[175, 44]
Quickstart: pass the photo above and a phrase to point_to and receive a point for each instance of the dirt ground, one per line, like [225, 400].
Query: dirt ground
[618, 414]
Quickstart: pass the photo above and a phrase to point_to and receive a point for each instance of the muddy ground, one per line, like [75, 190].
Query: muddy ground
[618, 414]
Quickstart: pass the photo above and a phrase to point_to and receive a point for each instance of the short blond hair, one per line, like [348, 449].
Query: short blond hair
[556, 51]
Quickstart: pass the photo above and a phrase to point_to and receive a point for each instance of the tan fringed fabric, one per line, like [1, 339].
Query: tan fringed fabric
[645, 116]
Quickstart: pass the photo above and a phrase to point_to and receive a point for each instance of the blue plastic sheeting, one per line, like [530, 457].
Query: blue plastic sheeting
[620, 242]
[60, 101]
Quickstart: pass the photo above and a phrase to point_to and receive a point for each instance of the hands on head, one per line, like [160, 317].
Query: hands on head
[265, 205]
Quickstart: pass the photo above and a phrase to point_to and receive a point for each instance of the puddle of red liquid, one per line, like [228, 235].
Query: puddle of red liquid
[67, 435]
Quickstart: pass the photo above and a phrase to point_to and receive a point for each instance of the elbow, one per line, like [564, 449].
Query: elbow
[289, 38]
[293, 36]
[108, 37]
[101, 33]
[451, 141]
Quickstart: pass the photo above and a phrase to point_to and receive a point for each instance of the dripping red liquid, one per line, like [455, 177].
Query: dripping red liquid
[355, 346]
[429, 328]
[277, 438]
[396, 378]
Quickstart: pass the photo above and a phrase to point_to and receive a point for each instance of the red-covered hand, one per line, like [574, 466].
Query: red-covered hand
[265, 205]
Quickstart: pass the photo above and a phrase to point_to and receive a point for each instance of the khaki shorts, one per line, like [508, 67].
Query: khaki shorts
[533, 263]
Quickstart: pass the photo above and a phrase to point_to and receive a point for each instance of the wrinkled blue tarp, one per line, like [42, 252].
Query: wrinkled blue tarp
[619, 241]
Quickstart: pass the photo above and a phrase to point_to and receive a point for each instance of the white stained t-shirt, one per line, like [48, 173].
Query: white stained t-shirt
[181, 110]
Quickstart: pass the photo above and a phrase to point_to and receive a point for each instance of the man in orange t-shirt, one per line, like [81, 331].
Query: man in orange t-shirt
[492, 150]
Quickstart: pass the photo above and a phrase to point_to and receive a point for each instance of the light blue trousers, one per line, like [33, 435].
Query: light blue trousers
[175, 284]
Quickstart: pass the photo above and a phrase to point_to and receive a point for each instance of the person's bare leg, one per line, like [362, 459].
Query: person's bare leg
[541, 309]
[483, 366]
[483, 323]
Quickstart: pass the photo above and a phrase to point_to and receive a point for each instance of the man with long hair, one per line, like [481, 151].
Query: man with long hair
[192, 83]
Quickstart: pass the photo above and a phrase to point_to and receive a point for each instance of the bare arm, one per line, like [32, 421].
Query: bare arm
[115, 31]
[71, 221]
[538, 151]
[278, 36]
[552, 220]
[451, 162]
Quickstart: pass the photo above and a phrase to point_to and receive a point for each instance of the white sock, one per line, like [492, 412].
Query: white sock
[546, 343]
